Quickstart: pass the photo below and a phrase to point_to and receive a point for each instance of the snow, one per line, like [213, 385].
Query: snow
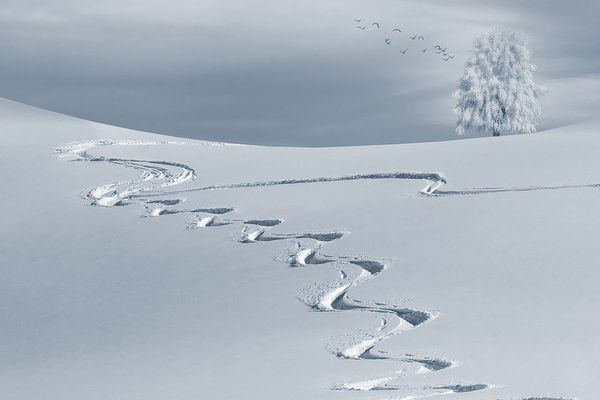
[487, 280]
[365, 385]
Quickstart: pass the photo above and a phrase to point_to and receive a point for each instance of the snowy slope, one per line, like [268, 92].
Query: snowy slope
[137, 266]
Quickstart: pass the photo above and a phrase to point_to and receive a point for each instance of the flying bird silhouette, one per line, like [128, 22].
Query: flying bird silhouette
[388, 40]
[396, 30]
[403, 51]
[362, 27]
[413, 37]
[357, 19]
[451, 56]
[376, 24]
[424, 50]
[421, 38]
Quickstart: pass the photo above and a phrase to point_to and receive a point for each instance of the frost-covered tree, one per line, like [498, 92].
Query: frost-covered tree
[497, 92]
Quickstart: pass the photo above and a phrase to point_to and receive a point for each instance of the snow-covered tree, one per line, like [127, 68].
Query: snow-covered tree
[497, 92]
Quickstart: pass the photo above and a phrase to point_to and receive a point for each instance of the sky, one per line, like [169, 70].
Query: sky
[284, 72]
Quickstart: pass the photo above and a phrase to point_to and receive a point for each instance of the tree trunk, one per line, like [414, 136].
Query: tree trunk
[496, 133]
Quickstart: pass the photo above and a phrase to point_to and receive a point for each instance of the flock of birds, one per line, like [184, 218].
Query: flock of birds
[439, 50]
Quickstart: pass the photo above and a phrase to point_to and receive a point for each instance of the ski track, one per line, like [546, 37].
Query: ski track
[156, 176]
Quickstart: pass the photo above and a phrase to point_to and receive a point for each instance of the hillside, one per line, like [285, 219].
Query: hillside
[139, 266]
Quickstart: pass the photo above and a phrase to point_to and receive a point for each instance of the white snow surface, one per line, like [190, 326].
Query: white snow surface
[487, 280]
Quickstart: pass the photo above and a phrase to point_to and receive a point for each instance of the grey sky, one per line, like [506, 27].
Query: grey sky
[282, 72]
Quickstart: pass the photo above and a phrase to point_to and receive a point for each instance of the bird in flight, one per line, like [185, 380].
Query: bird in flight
[362, 27]
[388, 41]
[451, 56]
[403, 51]
[357, 19]
[396, 30]
[376, 24]
[421, 38]
[413, 37]
[424, 50]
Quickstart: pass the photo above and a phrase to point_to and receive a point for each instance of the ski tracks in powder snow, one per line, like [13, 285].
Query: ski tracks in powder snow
[151, 190]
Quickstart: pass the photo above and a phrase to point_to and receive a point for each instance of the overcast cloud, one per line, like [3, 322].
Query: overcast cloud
[282, 72]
